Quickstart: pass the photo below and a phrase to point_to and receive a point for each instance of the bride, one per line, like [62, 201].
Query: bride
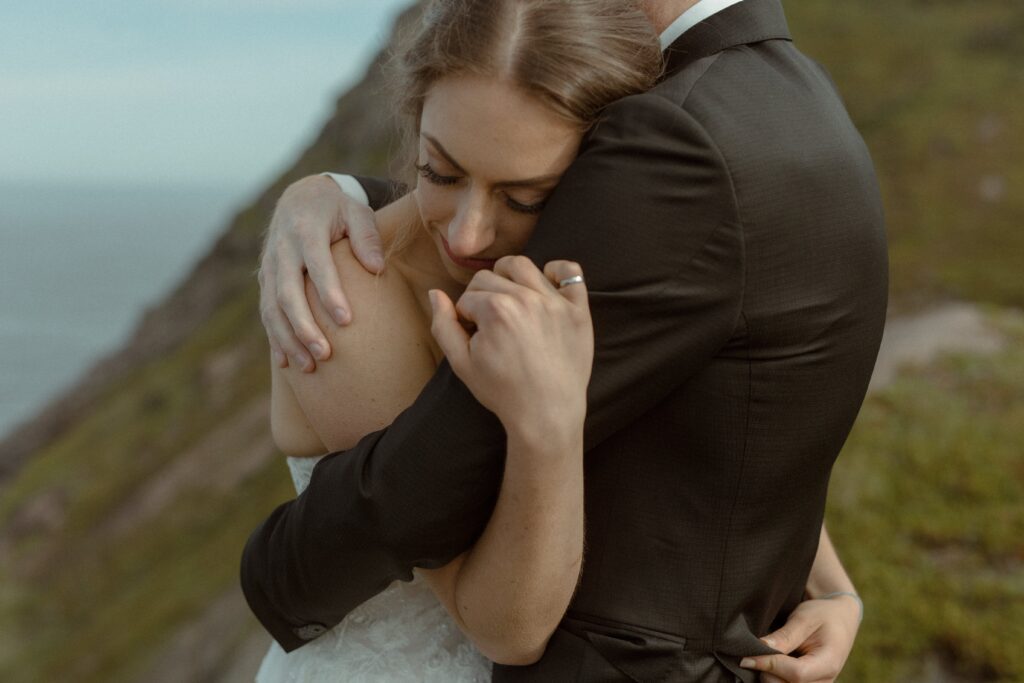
[499, 96]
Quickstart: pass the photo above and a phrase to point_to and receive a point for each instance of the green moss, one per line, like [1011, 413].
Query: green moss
[145, 420]
[926, 510]
[934, 87]
[93, 604]
[105, 614]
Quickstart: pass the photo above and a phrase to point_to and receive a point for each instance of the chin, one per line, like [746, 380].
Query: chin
[458, 274]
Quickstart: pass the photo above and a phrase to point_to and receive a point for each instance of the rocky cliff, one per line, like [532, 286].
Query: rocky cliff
[125, 502]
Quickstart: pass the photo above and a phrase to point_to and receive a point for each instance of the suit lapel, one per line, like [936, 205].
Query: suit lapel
[750, 21]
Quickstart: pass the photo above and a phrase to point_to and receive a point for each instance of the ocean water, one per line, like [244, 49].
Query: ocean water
[79, 264]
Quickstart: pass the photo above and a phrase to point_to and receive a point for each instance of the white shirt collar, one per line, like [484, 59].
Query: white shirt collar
[691, 17]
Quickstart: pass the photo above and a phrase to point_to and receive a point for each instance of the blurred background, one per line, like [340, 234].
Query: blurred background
[142, 147]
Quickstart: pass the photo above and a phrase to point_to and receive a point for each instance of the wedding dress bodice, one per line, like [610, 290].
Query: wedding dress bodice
[401, 634]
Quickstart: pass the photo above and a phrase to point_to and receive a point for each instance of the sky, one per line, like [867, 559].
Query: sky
[211, 92]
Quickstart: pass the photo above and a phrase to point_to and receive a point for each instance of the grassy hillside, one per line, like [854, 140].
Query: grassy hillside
[127, 522]
[935, 86]
[925, 507]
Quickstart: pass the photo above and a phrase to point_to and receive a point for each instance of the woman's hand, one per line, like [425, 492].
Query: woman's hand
[312, 214]
[821, 633]
[529, 362]
[530, 357]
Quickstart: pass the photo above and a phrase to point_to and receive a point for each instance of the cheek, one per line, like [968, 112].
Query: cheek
[435, 203]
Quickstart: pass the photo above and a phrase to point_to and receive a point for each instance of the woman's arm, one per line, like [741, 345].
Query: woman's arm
[529, 362]
[510, 590]
[827, 573]
[819, 634]
[378, 366]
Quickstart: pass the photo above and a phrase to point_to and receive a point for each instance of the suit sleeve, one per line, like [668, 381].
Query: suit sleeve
[649, 212]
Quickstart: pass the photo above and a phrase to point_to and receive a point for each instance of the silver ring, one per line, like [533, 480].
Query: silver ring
[575, 279]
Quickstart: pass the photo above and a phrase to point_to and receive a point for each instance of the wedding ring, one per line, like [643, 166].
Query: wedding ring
[575, 279]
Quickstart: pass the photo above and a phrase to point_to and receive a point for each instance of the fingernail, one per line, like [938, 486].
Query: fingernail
[432, 295]
[279, 359]
[301, 361]
[377, 261]
[747, 663]
[317, 350]
[769, 641]
[340, 316]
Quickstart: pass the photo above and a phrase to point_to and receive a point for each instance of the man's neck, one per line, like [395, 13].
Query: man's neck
[663, 12]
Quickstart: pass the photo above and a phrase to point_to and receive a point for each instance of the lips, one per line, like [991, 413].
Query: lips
[468, 263]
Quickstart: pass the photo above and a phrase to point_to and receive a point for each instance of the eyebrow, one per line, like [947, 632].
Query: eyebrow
[528, 182]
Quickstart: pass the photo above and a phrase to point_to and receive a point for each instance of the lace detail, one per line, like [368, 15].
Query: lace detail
[402, 634]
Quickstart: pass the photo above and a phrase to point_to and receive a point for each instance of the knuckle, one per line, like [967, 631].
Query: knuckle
[520, 263]
[478, 279]
[493, 306]
[502, 307]
[307, 335]
[289, 348]
[505, 262]
[270, 314]
[305, 237]
[314, 267]
[288, 260]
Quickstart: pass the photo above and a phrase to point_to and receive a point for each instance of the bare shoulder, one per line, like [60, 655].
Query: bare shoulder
[384, 307]
[379, 362]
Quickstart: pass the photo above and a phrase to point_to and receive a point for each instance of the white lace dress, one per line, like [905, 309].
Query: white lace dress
[402, 634]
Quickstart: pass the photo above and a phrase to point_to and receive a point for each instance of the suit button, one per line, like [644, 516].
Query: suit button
[310, 631]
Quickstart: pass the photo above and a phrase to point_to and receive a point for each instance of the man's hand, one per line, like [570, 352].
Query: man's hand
[820, 633]
[311, 214]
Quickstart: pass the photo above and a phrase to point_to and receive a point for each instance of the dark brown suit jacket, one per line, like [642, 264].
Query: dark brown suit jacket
[731, 232]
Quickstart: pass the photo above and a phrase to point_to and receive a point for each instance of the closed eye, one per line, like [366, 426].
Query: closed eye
[433, 176]
[531, 209]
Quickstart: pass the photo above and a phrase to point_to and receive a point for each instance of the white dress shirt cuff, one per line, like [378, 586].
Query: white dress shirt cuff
[350, 186]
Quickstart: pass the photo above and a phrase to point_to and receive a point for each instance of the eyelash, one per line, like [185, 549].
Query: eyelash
[433, 176]
[529, 209]
[436, 178]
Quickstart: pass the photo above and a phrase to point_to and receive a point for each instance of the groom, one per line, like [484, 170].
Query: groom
[730, 229]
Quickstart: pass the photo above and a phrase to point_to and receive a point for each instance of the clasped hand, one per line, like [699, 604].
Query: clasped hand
[816, 640]
[530, 356]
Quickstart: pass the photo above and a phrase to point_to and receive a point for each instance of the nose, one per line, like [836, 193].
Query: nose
[470, 231]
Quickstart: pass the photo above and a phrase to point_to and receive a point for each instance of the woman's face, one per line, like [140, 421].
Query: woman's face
[489, 156]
